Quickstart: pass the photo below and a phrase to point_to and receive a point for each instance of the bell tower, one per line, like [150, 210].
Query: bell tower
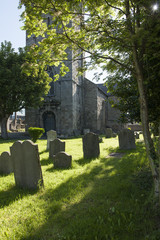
[62, 109]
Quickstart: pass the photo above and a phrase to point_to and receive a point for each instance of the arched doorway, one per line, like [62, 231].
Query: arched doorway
[49, 121]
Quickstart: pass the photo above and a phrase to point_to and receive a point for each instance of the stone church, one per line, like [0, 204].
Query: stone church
[73, 104]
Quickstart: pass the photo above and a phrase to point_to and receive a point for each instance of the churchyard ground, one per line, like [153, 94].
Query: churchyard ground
[97, 199]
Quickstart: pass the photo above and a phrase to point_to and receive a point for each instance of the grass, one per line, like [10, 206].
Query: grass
[96, 199]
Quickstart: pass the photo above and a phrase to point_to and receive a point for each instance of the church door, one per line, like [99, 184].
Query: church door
[49, 121]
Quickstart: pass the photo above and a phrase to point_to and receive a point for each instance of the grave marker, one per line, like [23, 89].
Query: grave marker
[91, 145]
[26, 164]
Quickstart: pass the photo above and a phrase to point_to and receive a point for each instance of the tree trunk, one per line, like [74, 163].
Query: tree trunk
[4, 133]
[151, 153]
[159, 156]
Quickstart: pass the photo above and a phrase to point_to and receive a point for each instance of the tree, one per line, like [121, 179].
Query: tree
[115, 33]
[18, 90]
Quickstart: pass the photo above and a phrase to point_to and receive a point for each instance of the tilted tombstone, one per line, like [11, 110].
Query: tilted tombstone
[91, 145]
[26, 164]
[109, 132]
[6, 166]
[62, 160]
[51, 135]
[126, 139]
[55, 147]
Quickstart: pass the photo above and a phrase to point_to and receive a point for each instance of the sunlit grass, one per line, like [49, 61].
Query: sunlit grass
[103, 198]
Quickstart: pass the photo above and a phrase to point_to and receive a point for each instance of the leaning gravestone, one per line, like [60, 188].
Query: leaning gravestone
[109, 132]
[62, 160]
[51, 135]
[55, 147]
[6, 166]
[26, 165]
[91, 145]
[126, 139]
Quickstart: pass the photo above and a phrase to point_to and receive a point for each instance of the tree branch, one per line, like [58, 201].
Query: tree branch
[119, 9]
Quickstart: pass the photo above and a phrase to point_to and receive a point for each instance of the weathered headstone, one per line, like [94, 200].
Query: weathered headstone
[55, 147]
[26, 164]
[109, 132]
[91, 145]
[6, 166]
[62, 160]
[51, 135]
[86, 130]
[126, 139]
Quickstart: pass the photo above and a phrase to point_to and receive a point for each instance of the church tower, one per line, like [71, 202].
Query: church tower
[62, 110]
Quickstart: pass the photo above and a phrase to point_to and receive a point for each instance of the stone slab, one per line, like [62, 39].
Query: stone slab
[26, 164]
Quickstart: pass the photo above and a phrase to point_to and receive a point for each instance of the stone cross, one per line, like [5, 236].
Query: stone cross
[26, 164]
[6, 166]
[55, 147]
[91, 145]
[51, 135]
[126, 139]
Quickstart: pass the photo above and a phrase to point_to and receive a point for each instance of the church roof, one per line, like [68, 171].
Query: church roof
[103, 88]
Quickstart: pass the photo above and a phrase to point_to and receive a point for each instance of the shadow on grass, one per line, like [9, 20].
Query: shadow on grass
[13, 194]
[111, 206]
[46, 161]
[7, 141]
[53, 169]
[44, 151]
[83, 161]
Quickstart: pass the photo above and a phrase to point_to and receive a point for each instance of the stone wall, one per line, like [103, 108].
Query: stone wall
[90, 105]
[113, 116]
[101, 111]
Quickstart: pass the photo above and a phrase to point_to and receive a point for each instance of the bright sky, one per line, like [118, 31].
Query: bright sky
[10, 24]
[10, 27]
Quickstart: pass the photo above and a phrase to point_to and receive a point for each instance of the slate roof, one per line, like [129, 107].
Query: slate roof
[103, 88]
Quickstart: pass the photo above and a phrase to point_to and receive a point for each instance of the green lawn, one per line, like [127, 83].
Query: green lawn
[98, 199]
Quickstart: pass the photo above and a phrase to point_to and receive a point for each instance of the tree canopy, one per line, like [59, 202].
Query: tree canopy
[18, 90]
[121, 35]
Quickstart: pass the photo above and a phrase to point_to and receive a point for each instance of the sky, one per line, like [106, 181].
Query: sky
[10, 24]
[10, 28]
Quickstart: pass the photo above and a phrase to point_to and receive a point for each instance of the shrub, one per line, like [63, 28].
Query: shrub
[35, 133]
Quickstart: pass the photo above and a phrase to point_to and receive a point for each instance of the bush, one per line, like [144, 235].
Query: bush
[35, 133]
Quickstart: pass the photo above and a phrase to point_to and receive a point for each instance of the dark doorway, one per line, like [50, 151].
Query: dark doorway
[49, 121]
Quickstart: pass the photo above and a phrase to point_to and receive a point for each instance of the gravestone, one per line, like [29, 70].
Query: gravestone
[126, 139]
[51, 135]
[86, 130]
[91, 145]
[55, 147]
[26, 164]
[6, 166]
[109, 132]
[62, 160]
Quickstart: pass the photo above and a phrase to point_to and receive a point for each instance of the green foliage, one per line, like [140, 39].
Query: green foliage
[35, 133]
[108, 35]
[17, 89]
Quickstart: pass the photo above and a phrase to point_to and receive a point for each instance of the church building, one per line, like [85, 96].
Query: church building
[73, 104]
